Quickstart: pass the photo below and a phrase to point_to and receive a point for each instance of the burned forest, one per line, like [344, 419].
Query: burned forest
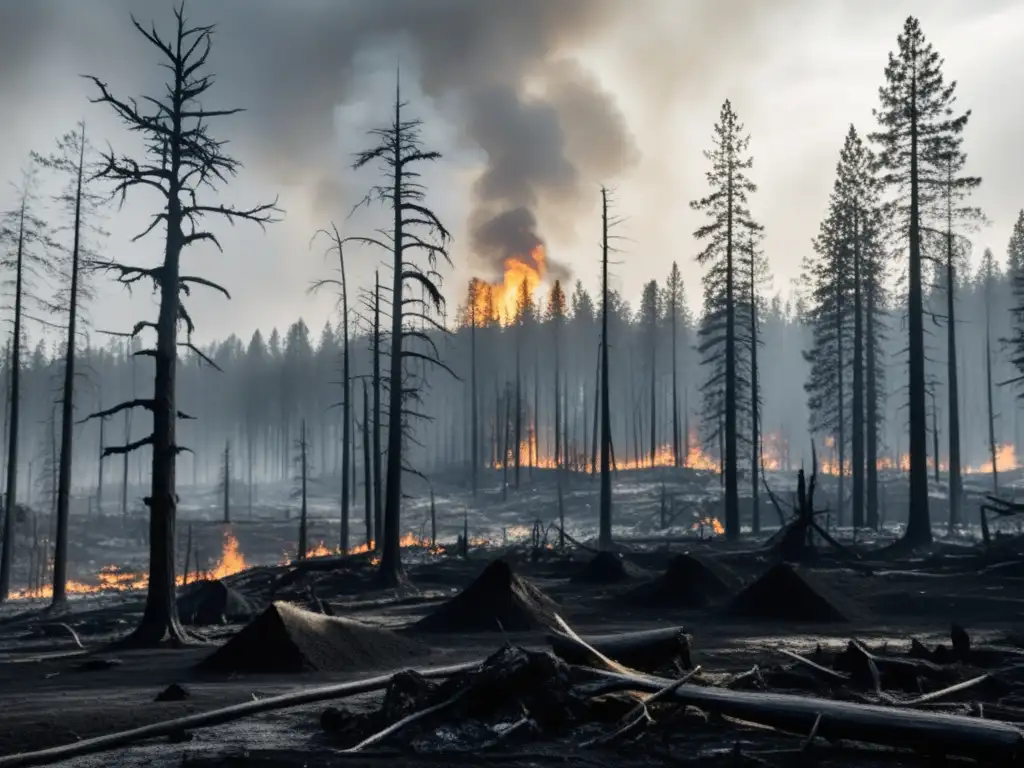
[455, 383]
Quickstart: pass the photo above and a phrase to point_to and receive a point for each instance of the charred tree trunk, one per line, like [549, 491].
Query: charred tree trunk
[517, 448]
[347, 432]
[303, 479]
[605, 527]
[918, 521]
[227, 484]
[505, 446]
[993, 450]
[124, 467]
[378, 508]
[654, 398]
[474, 418]
[730, 475]
[597, 406]
[935, 439]
[956, 490]
[857, 421]
[755, 414]
[11, 495]
[367, 477]
[871, 411]
[677, 459]
[60, 554]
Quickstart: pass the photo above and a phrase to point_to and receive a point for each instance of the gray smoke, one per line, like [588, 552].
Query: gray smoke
[503, 72]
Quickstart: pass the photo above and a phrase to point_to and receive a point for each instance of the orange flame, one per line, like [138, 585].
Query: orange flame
[531, 455]
[112, 578]
[709, 522]
[1006, 460]
[499, 300]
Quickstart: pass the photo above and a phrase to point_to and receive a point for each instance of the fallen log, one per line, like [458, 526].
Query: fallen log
[218, 716]
[927, 732]
[647, 650]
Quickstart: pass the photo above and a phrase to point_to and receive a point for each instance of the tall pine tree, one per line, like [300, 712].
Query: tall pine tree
[916, 118]
[729, 225]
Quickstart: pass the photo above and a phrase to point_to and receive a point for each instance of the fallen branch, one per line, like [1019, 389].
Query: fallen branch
[927, 732]
[647, 650]
[395, 727]
[217, 716]
[829, 674]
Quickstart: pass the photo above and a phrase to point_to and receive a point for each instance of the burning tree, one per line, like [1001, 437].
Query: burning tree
[416, 231]
[916, 123]
[730, 223]
[75, 160]
[22, 236]
[181, 159]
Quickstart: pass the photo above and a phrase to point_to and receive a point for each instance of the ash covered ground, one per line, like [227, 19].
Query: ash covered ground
[877, 628]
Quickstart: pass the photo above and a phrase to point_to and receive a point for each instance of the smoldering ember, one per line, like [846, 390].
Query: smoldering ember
[584, 383]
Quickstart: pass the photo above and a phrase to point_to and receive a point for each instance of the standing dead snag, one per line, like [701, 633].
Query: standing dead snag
[337, 245]
[399, 151]
[74, 160]
[181, 158]
[21, 233]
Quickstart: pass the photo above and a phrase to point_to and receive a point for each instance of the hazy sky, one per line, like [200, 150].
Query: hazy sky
[534, 104]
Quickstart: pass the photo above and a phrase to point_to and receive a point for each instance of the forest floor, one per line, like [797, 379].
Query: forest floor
[52, 692]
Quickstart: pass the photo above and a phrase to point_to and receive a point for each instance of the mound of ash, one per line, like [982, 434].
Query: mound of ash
[498, 600]
[783, 593]
[609, 568]
[213, 602]
[285, 639]
[689, 581]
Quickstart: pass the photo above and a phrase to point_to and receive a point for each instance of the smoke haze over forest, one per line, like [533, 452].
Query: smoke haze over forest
[533, 104]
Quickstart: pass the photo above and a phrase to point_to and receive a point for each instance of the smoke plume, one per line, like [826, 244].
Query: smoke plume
[503, 72]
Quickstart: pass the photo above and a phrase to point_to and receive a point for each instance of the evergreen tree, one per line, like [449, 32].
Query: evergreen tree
[678, 315]
[722, 347]
[650, 321]
[954, 187]
[916, 120]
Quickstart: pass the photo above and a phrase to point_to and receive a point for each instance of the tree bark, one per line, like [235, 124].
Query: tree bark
[11, 496]
[857, 423]
[956, 490]
[60, 553]
[605, 527]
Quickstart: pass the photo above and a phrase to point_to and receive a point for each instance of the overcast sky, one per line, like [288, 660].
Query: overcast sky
[534, 104]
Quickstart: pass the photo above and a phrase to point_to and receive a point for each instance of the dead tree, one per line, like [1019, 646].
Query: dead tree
[367, 479]
[399, 151]
[181, 158]
[302, 488]
[794, 542]
[337, 246]
[225, 483]
[378, 502]
[73, 160]
[605, 519]
[21, 234]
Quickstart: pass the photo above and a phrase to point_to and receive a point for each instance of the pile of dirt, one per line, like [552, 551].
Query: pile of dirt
[609, 568]
[784, 593]
[689, 581]
[497, 600]
[285, 638]
[213, 602]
